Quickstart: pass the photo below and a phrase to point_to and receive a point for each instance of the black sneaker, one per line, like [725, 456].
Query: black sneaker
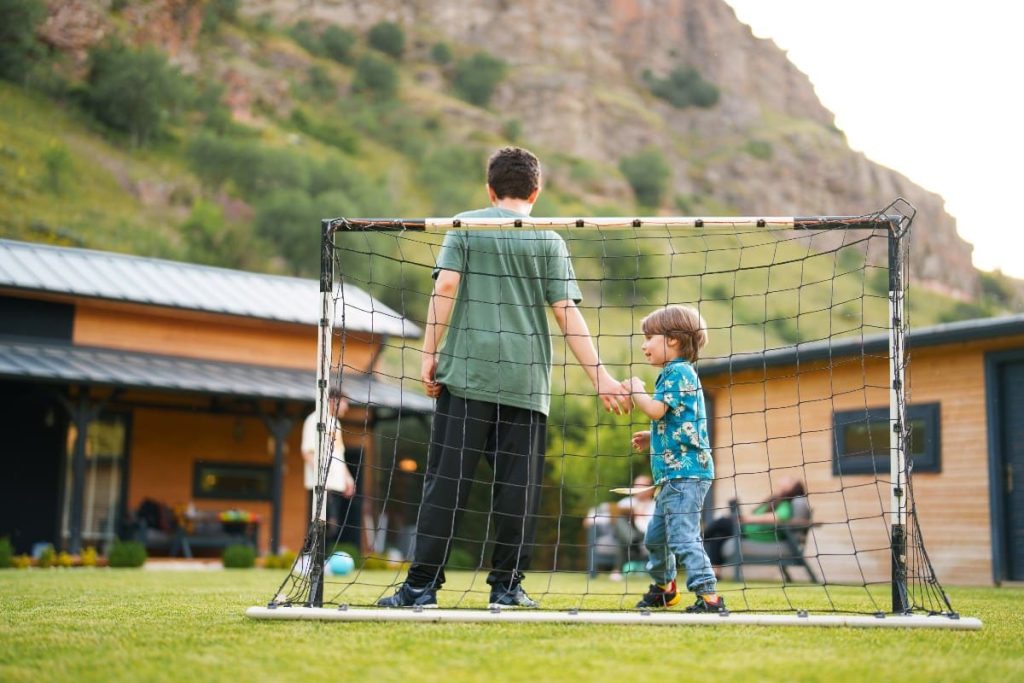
[407, 596]
[659, 598]
[502, 597]
[705, 605]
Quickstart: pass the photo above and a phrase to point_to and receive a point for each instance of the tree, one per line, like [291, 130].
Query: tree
[137, 92]
[477, 78]
[18, 45]
[648, 174]
[376, 76]
[388, 37]
[338, 43]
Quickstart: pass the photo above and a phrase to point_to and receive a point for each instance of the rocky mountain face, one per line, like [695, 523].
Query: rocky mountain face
[576, 86]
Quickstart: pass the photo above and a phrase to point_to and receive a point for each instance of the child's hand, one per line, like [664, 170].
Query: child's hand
[642, 440]
[635, 385]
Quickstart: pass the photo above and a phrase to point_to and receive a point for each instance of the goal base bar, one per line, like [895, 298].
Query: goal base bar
[586, 617]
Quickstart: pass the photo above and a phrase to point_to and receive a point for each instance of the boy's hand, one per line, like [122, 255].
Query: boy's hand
[642, 440]
[635, 385]
[428, 369]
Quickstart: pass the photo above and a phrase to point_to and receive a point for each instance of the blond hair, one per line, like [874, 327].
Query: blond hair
[684, 324]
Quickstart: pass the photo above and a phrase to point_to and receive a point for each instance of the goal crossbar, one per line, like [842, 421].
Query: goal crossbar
[877, 222]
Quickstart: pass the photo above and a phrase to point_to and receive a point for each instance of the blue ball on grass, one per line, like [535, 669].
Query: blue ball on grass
[340, 564]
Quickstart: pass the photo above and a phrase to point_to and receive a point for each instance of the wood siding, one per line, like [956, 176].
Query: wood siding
[197, 335]
[770, 424]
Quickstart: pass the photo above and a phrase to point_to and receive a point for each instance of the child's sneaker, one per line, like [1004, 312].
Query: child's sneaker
[705, 604]
[659, 597]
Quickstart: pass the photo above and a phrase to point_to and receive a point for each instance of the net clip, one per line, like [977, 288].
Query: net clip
[343, 607]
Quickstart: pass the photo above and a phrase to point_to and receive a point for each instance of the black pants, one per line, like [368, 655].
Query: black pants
[715, 535]
[513, 441]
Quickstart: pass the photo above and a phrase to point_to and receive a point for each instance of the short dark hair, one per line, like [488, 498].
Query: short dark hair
[513, 173]
[684, 324]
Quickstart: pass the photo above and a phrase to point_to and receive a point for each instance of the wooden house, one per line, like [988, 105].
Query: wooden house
[125, 379]
[820, 411]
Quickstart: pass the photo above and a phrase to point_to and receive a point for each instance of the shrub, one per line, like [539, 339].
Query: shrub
[476, 78]
[22, 562]
[338, 44]
[759, 149]
[218, 11]
[57, 162]
[90, 557]
[682, 88]
[334, 131]
[288, 220]
[47, 558]
[19, 48]
[6, 553]
[137, 92]
[254, 169]
[320, 83]
[126, 554]
[388, 37]
[648, 174]
[441, 54]
[284, 560]
[376, 76]
[304, 33]
[64, 559]
[462, 559]
[239, 556]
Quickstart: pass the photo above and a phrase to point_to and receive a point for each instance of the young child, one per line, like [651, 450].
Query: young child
[680, 458]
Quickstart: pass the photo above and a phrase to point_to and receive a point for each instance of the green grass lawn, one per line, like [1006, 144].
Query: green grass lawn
[96, 624]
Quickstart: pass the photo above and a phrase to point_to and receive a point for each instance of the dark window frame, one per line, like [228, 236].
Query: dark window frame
[929, 460]
[200, 465]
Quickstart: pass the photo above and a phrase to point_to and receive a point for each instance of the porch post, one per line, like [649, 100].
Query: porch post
[279, 427]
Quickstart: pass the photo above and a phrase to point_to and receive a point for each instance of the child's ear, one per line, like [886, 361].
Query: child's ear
[671, 342]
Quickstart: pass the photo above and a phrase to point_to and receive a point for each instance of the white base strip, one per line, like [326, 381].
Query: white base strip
[583, 617]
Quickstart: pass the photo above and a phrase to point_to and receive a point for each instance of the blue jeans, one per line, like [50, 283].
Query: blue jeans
[673, 535]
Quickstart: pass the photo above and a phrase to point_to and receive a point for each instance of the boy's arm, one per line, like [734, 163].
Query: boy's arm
[614, 396]
[439, 311]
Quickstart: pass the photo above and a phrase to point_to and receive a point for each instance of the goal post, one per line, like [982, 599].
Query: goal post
[799, 289]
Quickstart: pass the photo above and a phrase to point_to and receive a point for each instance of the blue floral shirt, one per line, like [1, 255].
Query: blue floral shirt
[680, 448]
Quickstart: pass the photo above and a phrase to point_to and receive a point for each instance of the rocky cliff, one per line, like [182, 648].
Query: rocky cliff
[576, 87]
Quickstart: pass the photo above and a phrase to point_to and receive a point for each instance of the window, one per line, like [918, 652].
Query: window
[233, 481]
[861, 440]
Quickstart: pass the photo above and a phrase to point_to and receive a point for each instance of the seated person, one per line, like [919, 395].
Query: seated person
[638, 508]
[761, 525]
[608, 533]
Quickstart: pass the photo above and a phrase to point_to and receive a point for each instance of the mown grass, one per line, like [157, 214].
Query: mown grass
[118, 625]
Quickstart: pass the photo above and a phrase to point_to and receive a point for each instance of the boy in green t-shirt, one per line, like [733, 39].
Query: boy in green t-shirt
[487, 361]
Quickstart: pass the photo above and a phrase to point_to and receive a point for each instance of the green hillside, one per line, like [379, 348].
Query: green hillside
[125, 152]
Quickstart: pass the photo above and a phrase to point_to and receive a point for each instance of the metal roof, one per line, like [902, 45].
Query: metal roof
[156, 282]
[62, 363]
[948, 333]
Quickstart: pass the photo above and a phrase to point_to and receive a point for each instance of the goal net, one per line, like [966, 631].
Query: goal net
[812, 428]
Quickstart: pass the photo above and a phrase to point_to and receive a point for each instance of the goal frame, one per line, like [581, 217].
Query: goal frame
[896, 227]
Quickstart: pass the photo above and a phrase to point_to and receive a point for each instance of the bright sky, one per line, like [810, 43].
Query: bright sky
[931, 88]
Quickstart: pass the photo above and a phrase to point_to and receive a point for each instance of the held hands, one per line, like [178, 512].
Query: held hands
[642, 440]
[634, 385]
[428, 370]
[613, 394]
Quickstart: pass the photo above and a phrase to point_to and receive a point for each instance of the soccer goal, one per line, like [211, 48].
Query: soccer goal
[809, 419]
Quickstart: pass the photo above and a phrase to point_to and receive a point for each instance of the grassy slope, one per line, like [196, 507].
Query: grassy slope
[94, 206]
[111, 625]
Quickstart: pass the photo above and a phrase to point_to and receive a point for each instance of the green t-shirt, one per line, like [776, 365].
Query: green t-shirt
[498, 344]
[768, 533]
